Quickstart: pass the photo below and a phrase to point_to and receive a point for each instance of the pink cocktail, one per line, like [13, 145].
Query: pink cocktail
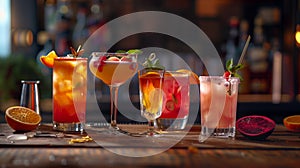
[218, 98]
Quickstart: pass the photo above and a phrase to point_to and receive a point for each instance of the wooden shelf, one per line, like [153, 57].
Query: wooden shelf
[248, 98]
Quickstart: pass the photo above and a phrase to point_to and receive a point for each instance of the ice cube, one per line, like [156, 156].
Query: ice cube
[64, 86]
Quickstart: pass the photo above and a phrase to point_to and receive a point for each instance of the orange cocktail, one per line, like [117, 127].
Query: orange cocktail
[151, 92]
[151, 95]
[69, 93]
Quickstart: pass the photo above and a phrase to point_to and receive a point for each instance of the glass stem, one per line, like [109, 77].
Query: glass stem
[113, 105]
[151, 126]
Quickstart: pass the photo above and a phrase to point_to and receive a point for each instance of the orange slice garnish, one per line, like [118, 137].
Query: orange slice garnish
[292, 123]
[48, 60]
[194, 79]
[151, 74]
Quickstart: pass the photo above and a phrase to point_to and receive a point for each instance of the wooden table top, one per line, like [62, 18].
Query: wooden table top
[176, 149]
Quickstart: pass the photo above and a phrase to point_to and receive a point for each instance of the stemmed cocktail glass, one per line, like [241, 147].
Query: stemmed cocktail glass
[151, 96]
[113, 69]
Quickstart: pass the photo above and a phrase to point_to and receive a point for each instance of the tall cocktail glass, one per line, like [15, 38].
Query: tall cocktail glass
[151, 96]
[113, 69]
[218, 97]
[176, 101]
[69, 93]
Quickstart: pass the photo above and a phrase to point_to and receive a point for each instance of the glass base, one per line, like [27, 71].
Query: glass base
[218, 132]
[171, 123]
[148, 133]
[68, 127]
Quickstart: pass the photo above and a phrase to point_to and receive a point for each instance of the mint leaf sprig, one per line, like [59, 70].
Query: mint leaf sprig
[233, 69]
[152, 62]
[132, 51]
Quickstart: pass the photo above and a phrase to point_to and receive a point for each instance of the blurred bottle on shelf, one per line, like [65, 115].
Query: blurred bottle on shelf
[63, 36]
[63, 27]
[80, 33]
[50, 16]
[233, 40]
[95, 19]
[88, 19]
[260, 60]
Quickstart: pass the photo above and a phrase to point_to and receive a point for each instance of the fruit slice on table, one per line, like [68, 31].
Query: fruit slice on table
[48, 60]
[292, 123]
[22, 118]
[255, 127]
[194, 79]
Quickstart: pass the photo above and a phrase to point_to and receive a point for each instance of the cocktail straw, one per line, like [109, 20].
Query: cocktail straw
[244, 50]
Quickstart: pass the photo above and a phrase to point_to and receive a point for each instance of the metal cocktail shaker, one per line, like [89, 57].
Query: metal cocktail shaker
[30, 95]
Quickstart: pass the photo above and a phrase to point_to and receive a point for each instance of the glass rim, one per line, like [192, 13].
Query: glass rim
[30, 81]
[176, 73]
[70, 58]
[201, 78]
[96, 54]
[149, 70]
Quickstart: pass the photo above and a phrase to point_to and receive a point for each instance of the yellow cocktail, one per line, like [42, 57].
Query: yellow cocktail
[113, 69]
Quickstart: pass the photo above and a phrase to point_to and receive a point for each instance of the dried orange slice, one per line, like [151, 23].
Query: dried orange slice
[292, 123]
[194, 79]
[22, 118]
[48, 60]
[151, 74]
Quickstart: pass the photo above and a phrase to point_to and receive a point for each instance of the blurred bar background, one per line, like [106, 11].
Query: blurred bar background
[270, 87]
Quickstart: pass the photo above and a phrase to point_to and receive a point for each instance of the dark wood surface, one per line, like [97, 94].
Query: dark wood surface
[281, 149]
